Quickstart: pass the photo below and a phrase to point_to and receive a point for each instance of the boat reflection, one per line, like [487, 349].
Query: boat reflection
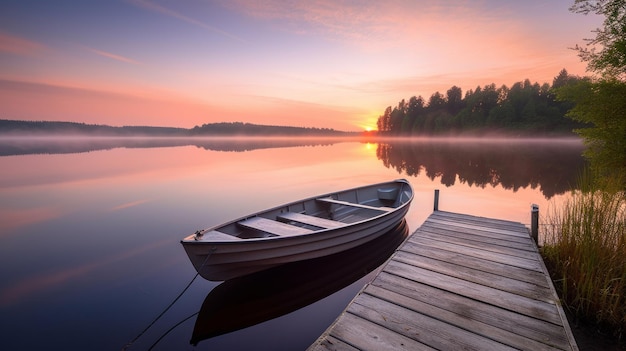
[256, 298]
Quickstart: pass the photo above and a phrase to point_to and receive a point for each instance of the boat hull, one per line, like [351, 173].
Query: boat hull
[218, 260]
[256, 298]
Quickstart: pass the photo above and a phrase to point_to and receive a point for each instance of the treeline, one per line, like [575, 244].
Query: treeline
[239, 128]
[524, 108]
[14, 127]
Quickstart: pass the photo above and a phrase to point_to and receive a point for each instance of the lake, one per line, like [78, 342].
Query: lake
[90, 230]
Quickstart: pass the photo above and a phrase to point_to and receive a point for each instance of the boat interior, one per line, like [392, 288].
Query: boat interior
[315, 214]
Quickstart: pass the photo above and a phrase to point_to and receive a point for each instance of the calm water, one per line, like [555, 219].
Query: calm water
[90, 230]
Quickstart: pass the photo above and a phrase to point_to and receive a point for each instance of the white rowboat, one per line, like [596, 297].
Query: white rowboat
[310, 228]
[255, 298]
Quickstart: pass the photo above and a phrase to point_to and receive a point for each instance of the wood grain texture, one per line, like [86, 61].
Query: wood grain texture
[459, 282]
[311, 220]
[273, 227]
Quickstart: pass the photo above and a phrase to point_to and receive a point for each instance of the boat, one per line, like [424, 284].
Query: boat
[262, 296]
[314, 227]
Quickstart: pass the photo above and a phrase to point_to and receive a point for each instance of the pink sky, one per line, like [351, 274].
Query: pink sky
[314, 63]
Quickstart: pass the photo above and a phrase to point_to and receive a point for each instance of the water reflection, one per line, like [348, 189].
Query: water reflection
[550, 165]
[256, 298]
[70, 145]
[107, 227]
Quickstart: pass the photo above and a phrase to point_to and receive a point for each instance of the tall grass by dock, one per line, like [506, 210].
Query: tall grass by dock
[585, 252]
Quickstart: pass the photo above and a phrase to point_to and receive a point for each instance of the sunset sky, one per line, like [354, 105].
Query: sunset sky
[314, 63]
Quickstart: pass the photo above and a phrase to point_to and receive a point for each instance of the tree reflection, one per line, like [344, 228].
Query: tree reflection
[553, 166]
[71, 145]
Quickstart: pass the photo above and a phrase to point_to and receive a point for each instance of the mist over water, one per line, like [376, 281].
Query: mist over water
[90, 228]
[20, 145]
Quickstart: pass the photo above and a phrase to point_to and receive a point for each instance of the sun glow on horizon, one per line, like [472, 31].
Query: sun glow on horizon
[273, 67]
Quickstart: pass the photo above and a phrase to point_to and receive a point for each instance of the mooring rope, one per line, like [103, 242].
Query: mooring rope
[168, 307]
[169, 330]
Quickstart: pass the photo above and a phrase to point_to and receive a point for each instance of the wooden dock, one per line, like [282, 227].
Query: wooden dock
[459, 282]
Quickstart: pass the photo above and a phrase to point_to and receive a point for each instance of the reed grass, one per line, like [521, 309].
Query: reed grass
[585, 252]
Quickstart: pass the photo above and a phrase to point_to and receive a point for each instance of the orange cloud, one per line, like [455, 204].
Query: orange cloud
[19, 46]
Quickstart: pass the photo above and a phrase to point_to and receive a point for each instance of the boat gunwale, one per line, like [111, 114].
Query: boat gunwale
[190, 239]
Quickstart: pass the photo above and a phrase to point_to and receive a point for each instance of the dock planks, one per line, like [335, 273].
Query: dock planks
[458, 282]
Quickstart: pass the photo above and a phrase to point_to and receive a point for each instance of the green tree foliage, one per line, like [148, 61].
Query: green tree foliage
[524, 108]
[601, 102]
[606, 53]
[454, 100]
[601, 105]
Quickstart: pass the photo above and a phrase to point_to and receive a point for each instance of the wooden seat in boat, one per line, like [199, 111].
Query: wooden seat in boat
[352, 204]
[310, 220]
[273, 227]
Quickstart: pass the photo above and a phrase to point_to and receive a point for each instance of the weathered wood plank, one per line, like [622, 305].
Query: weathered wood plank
[425, 329]
[476, 252]
[509, 251]
[537, 309]
[311, 220]
[352, 204]
[330, 343]
[496, 223]
[530, 276]
[479, 227]
[273, 227]
[469, 241]
[464, 321]
[510, 241]
[501, 282]
[505, 319]
[366, 335]
[459, 282]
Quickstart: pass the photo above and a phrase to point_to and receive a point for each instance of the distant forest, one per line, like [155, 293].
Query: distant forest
[13, 127]
[524, 108]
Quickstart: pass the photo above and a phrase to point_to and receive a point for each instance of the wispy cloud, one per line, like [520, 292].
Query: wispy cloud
[351, 20]
[409, 25]
[113, 56]
[19, 46]
[129, 204]
[171, 13]
[347, 18]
